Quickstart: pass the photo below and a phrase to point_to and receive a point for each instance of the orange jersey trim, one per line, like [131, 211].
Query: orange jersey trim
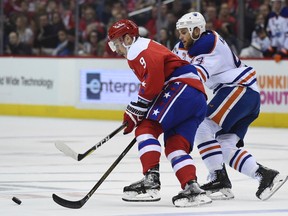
[217, 118]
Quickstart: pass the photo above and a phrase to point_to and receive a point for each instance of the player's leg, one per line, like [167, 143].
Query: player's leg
[234, 127]
[241, 160]
[147, 134]
[218, 185]
[177, 149]
[148, 188]
[180, 122]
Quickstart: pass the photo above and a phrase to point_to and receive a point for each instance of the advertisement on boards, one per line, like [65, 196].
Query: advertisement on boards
[27, 82]
[273, 86]
[108, 86]
[274, 91]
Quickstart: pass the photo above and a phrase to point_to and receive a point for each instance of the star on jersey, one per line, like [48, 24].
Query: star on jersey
[156, 112]
[159, 109]
[167, 95]
[143, 83]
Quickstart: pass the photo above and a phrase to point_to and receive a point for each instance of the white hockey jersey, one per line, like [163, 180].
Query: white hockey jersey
[263, 44]
[278, 29]
[216, 64]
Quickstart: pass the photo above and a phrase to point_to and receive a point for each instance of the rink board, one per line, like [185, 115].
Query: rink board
[102, 88]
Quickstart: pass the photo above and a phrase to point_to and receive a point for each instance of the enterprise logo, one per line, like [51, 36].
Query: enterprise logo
[93, 86]
[108, 86]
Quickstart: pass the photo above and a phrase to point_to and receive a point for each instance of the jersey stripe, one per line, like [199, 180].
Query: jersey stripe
[220, 114]
[238, 159]
[201, 74]
[175, 154]
[203, 69]
[210, 148]
[248, 77]
[242, 74]
[181, 162]
[176, 95]
[148, 146]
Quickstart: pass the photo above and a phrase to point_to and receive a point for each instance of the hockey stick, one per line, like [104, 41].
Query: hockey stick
[78, 204]
[77, 156]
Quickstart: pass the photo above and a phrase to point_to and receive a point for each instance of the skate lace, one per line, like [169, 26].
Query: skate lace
[192, 189]
[258, 176]
[212, 177]
[150, 178]
[145, 180]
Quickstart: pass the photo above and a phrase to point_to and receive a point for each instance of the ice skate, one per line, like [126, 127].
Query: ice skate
[145, 190]
[270, 182]
[191, 196]
[219, 187]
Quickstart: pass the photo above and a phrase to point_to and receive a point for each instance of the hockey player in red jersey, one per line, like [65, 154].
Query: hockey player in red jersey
[234, 106]
[171, 100]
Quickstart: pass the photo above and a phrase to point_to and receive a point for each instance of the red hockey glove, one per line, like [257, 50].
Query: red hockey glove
[134, 114]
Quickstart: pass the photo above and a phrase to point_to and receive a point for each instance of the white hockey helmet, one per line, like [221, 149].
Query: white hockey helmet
[190, 21]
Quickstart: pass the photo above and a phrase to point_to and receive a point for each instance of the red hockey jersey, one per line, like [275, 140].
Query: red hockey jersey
[155, 65]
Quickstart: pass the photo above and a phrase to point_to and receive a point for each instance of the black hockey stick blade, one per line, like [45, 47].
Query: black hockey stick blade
[78, 204]
[68, 203]
[78, 156]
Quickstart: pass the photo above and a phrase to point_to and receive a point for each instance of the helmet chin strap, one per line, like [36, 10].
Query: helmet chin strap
[128, 46]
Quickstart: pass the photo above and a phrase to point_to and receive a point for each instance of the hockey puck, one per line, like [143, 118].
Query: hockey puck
[16, 200]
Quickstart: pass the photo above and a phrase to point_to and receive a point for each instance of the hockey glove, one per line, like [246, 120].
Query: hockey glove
[134, 114]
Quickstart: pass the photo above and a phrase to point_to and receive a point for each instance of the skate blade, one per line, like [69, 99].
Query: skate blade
[198, 201]
[277, 183]
[222, 194]
[150, 196]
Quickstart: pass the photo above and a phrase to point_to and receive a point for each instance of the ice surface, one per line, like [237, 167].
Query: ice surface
[32, 169]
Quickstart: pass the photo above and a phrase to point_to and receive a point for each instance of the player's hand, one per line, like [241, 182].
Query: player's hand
[134, 114]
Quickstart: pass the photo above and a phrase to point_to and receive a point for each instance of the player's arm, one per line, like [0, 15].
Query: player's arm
[150, 69]
[153, 76]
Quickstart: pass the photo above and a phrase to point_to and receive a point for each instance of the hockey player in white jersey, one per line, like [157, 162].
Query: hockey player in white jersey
[277, 28]
[235, 105]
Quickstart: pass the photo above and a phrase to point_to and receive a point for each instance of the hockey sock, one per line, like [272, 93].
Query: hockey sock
[208, 147]
[211, 154]
[149, 153]
[177, 152]
[237, 158]
[243, 162]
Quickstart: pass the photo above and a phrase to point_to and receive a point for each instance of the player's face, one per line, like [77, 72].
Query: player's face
[117, 45]
[185, 37]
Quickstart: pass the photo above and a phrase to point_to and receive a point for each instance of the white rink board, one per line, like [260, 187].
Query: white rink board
[101, 88]
[62, 82]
